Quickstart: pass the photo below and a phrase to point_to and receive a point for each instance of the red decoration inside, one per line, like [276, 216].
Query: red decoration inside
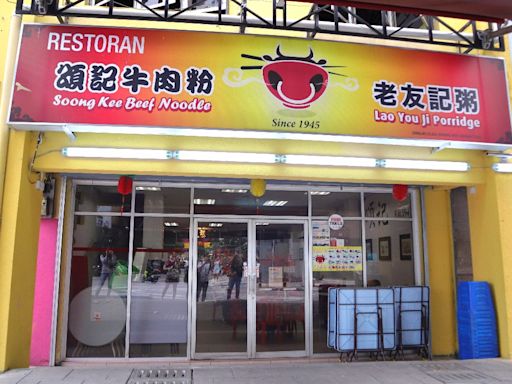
[400, 192]
[124, 185]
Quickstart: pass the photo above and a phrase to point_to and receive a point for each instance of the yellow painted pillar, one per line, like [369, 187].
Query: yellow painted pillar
[10, 26]
[441, 270]
[18, 252]
[490, 213]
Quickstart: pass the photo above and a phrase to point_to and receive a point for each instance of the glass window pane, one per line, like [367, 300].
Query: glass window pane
[333, 250]
[280, 316]
[382, 205]
[100, 198]
[162, 200]
[389, 250]
[221, 324]
[272, 203]
[159, 304]
[98, 285]
[343, 203]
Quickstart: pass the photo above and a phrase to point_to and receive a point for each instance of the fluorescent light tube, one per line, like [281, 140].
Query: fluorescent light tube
[427, 165]
[320, 193]
[204, 201]
[330, 161]
[502, 167]
[116, 153]
[153, 189]
[275, 203]
[228, 190]
[235, 157]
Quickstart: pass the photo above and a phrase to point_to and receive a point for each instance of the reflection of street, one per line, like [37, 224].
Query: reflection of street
[160, 290]
[217, 289]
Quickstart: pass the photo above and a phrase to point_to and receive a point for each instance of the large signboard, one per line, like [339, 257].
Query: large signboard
[157, 78]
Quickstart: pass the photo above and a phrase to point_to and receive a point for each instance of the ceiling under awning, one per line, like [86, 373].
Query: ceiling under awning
[484, 10]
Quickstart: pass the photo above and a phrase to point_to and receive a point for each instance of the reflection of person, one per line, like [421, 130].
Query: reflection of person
[216, 268]
[108, 261]
[203, 272]
[172, 274]
[236, 269]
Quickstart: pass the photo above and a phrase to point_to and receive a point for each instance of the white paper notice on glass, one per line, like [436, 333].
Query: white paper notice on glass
[275, 277]
[321, 233]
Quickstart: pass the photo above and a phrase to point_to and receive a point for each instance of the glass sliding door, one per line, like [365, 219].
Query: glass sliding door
[280, 287]
[159, 287]
[250, 288]
[220, 273]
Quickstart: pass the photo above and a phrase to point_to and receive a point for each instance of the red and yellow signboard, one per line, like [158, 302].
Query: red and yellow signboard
[155, 78]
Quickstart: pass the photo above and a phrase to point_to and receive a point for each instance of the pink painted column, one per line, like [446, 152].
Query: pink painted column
[43, 298]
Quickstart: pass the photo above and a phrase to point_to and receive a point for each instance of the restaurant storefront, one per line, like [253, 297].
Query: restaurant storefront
[206, 202]
[216, 272]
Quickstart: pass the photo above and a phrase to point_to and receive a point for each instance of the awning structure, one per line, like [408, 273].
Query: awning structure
[484, 10]
[414, 21]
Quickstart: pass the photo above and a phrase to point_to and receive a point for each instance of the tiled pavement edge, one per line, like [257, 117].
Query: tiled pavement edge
[491, 371]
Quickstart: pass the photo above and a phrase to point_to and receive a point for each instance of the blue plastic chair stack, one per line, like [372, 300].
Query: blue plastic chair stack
[412, 319]
[361, 320]
[476, 321]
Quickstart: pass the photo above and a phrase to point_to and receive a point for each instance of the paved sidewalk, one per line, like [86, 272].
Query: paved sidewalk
[284, 372]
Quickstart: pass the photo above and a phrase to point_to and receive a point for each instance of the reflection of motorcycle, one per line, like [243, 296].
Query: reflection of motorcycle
[153, 272]
[152, 276]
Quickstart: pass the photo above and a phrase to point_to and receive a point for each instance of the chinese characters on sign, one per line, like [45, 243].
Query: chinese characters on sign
[109, 78]
[430, 101]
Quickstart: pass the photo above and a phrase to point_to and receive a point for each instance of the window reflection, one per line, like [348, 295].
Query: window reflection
[162, 200]
[98, 287]
[221, 323]
[159, 294]
[343, 203]
[272, 203]
[280, 324]
[100, 198]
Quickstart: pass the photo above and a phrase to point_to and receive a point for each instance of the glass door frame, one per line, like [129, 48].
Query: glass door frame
[193, 289]
[308, 280]
[251, 223]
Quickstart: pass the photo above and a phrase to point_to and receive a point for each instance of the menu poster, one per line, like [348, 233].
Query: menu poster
[321, 233]
[338, 258]
[275, 277]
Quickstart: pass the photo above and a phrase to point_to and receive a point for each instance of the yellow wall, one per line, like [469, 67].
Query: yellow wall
[18, 244]
[440, 259]
[490, 212]
[8, 43]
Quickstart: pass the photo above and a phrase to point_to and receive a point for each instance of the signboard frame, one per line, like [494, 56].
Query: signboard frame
[202, 131]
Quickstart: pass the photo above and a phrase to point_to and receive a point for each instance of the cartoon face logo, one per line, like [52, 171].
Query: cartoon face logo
[295, 81]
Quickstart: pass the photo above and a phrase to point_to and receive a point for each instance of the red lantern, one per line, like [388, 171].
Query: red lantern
[124, 187]
[400, 192]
